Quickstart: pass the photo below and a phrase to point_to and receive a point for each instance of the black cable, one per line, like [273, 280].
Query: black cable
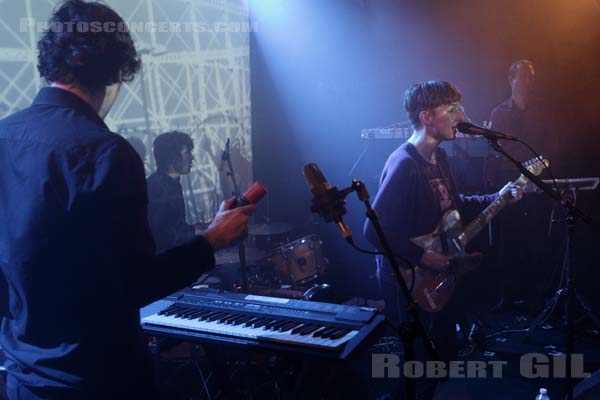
[374, 253]
[378, 253]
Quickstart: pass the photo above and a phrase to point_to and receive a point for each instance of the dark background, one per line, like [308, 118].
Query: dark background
[323, 70]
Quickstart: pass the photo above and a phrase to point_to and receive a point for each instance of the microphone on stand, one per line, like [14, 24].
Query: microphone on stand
[327, 201]
[471, 129]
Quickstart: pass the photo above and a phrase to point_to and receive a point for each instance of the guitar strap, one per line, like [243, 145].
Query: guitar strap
[444, 169]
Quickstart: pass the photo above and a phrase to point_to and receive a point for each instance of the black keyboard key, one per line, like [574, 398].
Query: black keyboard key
[234, 320]
[182, 312]
[205, 317]
[231, 318]
[324, 333]
[287, 326]
[172, 310]
[188, 313]
[309, 330]
[216, 316]
[299, 329]
[242, 320]
[274, 324]
[194, 314]
[339, 333]
[260, 322]
[202, 314]
[264, 322]
[167, 310]
[250, 321]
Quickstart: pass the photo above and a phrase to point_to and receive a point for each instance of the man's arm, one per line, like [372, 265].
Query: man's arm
[149, 276]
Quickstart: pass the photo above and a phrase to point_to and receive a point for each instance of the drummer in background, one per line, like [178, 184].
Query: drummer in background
[166, 206]
[528, 116]
[525, 248]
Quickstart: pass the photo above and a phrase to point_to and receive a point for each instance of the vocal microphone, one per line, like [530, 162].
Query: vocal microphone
[327, 200]
[224, 156]
[471, 129]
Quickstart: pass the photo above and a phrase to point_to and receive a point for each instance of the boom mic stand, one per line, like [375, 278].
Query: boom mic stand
[573, 213]
[236, 192]
[332, 207]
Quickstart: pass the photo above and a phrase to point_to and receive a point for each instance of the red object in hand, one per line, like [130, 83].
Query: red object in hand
[253, 195]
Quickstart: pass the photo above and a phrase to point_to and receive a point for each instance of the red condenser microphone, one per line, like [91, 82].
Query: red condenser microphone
[252, 196]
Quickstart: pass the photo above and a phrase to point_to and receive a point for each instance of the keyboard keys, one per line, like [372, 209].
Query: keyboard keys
[239, 324]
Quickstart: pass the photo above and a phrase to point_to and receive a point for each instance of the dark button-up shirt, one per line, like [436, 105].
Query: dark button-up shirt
[537, 125]
[77, 252]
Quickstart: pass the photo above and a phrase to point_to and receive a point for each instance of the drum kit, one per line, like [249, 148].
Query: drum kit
[276, 265]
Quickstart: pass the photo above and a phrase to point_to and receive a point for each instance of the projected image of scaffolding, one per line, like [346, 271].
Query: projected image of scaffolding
[195, 78]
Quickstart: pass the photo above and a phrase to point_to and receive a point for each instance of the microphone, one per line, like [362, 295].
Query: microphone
[327, 201]
[224, 156]
[470, 129]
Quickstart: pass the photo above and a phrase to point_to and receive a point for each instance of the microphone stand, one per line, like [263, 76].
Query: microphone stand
[573, 214]
[236, 192]
[414, 327]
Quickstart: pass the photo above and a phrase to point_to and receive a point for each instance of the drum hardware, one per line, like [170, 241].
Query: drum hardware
[270, 235]
[314, 290]
[270, 228]
[287, 271]
[298, 262]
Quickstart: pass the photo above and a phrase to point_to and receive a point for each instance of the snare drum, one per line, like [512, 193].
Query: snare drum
[298, 262]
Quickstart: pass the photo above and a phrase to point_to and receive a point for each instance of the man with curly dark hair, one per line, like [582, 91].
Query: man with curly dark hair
[75, 245]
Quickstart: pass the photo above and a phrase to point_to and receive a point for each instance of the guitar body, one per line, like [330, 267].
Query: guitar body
[432, 290]
[446, 237]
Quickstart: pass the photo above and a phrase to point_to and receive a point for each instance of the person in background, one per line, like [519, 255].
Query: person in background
[166, 204]
[525, 233]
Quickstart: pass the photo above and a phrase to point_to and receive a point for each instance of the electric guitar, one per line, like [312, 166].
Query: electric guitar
[432, 290]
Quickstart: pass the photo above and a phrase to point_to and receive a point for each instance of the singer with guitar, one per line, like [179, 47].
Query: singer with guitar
[416, 189]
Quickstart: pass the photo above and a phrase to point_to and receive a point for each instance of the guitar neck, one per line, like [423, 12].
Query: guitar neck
[473, 228]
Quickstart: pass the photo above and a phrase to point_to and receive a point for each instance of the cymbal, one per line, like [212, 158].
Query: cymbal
[273, 228]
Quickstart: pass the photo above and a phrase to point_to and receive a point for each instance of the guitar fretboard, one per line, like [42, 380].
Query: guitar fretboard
[472, 229]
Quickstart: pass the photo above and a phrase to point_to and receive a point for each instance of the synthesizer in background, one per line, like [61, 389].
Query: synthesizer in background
[207, 315]
[401, 133]
[465, 146]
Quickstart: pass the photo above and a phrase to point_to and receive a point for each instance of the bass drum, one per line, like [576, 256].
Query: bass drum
[299, 262]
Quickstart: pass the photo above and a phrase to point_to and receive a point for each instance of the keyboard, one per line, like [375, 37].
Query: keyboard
[260, 321]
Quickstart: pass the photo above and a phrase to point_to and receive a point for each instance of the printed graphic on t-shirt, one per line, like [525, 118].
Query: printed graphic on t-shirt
[440, 190]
